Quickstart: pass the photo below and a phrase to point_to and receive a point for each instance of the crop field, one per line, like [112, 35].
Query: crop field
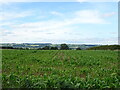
[60, 69]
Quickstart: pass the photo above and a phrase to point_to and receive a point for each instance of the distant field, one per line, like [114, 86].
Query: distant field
[60, 69]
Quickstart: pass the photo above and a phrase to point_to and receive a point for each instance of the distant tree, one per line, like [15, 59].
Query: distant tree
[27, 48]
[46, 48]
[20, 48]
[78, 48]
[54, 48]
[39, 49]
[64, 47]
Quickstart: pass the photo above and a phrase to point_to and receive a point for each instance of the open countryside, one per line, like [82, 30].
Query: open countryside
[60, 45]
[60, 69]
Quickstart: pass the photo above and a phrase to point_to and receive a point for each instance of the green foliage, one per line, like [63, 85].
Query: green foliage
[78, 48]
[60, 69]
[105, 47]
[54, 48]
[64, 47]
[46, 48]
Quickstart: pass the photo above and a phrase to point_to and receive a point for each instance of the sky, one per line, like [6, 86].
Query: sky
[59, 22]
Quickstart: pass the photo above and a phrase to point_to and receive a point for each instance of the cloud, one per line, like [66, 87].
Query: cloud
[114, 33]
[85, 16]
[89, 16]
[6, 23]
[14, 15]
[6, 33]
[81, 0]
[54, 36]
[56, 13]
[109, 14]
[55, 30]
[95, 40]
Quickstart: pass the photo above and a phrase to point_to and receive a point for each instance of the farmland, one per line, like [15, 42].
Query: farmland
[60, 69]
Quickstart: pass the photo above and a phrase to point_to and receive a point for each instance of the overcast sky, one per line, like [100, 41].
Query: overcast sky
[60, 22]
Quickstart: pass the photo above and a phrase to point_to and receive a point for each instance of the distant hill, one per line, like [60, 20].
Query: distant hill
[74, 46]
[105, 47]
[71, 46]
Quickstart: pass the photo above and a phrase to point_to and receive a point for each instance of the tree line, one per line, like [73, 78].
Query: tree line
[105, 47]
[66, 47]
[62, 47]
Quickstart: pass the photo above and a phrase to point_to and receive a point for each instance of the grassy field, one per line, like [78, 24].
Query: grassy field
[60, 69]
